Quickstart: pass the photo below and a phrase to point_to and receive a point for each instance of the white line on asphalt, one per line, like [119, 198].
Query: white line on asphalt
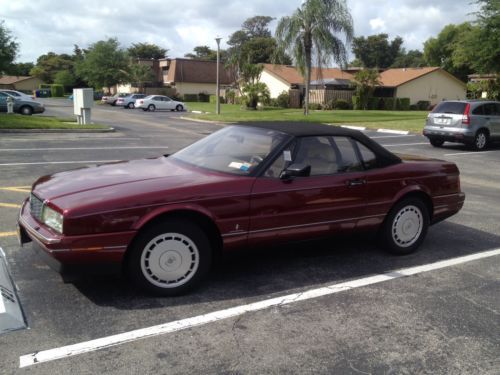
[59, 162]
[390, 131]
[178, 325]
[393, 136]
[406, 144]
[469, 153]
[83, 148]
[351, 127]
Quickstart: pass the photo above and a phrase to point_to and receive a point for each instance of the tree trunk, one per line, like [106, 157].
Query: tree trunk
[308, 49]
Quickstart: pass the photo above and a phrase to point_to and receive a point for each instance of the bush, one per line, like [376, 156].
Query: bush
[356, 103]
[337, 104]
[315, 106]
[403, 104]
[413, 107]
[203, 98]
[389, 104]
[423, 105]
[190, 97]
[213, 99]
[230, 95]
[373, 103]
[283, 100]
[57, 91]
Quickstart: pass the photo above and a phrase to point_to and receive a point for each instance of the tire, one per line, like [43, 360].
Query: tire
[144, 109]
[179, 108]
[130, 105]
[436, 142]
[405, 227]
[481, 141]
[26, 110]
[114, 103]
[177, 244]
[151, 108]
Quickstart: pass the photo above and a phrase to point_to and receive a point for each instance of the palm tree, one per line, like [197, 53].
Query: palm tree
[313, 30]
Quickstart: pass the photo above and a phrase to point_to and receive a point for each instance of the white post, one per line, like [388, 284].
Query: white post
[217, 110]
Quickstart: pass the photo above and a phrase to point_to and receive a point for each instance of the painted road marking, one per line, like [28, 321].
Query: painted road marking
[8, 234]
[393, 136]
[403, 144]
[179, 325]
[469, 153]
[361, 128]
[84, 148]
[59, 162]
[17, 189]
[10, 205]
[390, 131]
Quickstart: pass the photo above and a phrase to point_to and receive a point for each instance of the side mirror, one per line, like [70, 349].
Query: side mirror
[295, 170]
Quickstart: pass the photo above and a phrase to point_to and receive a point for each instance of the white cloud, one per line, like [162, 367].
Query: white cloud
[377, 24]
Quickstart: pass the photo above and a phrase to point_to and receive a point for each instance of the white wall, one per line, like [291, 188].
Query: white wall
[434, 87]
[275, 85]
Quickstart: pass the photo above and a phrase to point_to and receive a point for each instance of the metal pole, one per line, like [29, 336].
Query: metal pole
[217, 109]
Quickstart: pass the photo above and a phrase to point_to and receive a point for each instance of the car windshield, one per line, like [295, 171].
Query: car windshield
[456, 108]
[235, 149]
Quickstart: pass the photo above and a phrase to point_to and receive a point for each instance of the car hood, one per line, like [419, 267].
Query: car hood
[129, 184]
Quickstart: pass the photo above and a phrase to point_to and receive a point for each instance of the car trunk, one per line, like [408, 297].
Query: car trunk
[449, 114]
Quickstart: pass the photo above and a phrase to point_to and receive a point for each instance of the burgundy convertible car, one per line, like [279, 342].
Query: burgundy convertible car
[162, 220]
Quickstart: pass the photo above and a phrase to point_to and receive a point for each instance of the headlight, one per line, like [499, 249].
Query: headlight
[52, 219]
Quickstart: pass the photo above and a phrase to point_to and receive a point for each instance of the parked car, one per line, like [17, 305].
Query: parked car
[159, 102]
[111, 99]
[128, 101]
[164, 219]
[18, 94]
[22, 106]
[472, 122]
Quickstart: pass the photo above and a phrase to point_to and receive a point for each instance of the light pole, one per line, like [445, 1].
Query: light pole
[217, 110]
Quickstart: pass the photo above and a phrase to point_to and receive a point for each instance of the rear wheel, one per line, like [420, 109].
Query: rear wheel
[405, 226]
[26, 110]
[179, 108]
[480, 141]
[436, 142]
[151, 108]
[170, 258]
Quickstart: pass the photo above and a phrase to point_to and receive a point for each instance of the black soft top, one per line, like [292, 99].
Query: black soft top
[307, 129]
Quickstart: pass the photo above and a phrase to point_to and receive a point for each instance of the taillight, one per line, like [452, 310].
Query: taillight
[466, 116]
[141, 101]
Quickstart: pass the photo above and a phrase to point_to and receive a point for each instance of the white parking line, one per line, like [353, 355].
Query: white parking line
[393, 136]
[84, 148]
[59, 162]
[178, 325]
[469, 153]
[391, 131]
[406, 144]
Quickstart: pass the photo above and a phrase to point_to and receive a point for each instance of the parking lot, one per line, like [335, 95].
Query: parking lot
[437, 319]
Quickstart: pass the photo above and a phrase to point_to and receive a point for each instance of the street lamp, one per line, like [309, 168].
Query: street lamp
[217, 110]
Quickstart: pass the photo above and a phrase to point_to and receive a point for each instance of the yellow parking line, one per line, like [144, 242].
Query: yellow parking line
[17, 189]
[8, 234]
[10, 205]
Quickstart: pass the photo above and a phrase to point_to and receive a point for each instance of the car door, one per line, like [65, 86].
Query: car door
[3, 102]
[492, 118]
[330, 200]
[169, 104]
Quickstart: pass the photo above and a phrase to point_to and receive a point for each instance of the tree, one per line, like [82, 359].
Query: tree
[8, 49]
[138, 75]
[103, 64]
[20, 69]
[257, 27]
[254, 93]
[203, 53]
[147, 51]
[411, 59]
[366, 80]
[313, 30]
[49, 64]
[375, 51]
[65, 78]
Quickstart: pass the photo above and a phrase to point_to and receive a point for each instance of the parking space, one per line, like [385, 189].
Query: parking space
[330, 315]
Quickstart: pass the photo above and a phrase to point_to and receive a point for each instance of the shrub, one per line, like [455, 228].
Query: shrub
[389, 104]
[372, 103]
[413, 107]
[356, 103]
[203, 98]
[57, 90]
[190, 97]
[423, 105]
[315, 106]
[230, 95]
[337, 104]
[283, 100]
[403, 104]
[213, 99]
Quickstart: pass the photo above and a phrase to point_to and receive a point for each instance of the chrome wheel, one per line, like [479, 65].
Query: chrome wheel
[170, 260]
[407, 226]
[481, 140]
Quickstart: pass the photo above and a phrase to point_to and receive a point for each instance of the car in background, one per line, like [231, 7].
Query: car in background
[22, 106]
[159, 102]
[111, 99]
[472, 122]
[163, 220]
[128, 101]
[18, 94]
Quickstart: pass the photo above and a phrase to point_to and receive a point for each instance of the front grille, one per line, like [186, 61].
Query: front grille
[36, 206]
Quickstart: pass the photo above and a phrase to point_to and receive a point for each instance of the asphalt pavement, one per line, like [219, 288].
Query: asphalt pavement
[438, 320]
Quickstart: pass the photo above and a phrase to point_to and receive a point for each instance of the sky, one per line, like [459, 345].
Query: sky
[40, 26]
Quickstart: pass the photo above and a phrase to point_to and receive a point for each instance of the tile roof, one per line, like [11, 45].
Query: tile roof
[397, 77]
[197, 71]
[9, 80]
[291, 75]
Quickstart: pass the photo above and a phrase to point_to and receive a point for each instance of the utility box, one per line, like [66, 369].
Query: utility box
[83, 101]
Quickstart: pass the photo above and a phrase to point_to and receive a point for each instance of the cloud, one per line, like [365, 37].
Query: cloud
[56, 25]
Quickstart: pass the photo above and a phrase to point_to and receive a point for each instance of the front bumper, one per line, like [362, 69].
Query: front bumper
[95, 253]
[450, 134]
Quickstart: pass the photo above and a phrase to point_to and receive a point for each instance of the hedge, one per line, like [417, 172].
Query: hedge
[388, 104]
[403, 104]
[56, 90]
[203, 98]
[190, 97]
[213, 99]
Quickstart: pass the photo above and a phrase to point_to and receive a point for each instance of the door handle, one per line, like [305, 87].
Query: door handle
[356, 182]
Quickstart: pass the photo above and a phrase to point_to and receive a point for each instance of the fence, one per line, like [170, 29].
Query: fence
[324, 96]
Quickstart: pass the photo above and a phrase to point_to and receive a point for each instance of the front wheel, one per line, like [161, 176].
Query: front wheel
[405, 226]
[170, 258]
[151, 108]
[131, 106]
[26, 110]
[179, 108]
[480, 141]
[436, 142]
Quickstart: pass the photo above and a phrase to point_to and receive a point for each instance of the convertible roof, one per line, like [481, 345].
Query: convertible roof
[304, 129]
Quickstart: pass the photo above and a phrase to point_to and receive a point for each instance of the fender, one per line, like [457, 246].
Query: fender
[411, 187]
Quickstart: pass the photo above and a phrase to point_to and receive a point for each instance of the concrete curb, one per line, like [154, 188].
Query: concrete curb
[204, 121]
[110, 130]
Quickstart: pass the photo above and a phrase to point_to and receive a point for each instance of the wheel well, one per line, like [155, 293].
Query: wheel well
[486, 130]
[204, 222]
[423, 197]
[26, 106]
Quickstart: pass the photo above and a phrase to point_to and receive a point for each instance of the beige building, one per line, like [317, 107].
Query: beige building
[20, 83]
[431, 84]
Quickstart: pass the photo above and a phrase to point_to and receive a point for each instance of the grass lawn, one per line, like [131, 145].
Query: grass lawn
[401, 120]
[16, 121]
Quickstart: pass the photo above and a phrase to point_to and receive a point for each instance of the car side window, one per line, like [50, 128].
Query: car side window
[478, 110]
[281, 162]
[489, 109]
[368, 156]
[349, 160]
[497, 109]
[318, 153]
